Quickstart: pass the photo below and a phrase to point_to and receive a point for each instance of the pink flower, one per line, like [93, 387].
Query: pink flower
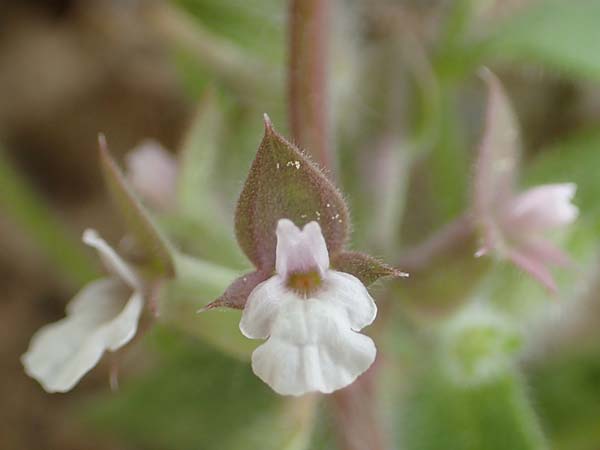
[310, 316]
[513, 224]
[153, 172]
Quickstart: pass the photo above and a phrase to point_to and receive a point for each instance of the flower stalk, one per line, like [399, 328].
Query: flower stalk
[307, 78]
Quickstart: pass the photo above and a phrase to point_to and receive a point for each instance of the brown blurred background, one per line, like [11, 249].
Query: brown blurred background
[68, 70]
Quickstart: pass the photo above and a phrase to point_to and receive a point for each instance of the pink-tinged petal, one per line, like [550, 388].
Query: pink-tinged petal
[99, 318]
[114, 263]
[498, 156]
[152, 171]
[547, 252]
[300, 251]
[542, 208]
[534, 266]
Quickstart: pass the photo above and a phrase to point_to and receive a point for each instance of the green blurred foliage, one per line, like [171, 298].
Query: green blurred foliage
[559, 34]
[200, 392]
[566, 393]
[194, 397]
[491, 416]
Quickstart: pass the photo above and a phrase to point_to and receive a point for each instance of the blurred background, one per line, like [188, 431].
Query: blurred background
[406, 112]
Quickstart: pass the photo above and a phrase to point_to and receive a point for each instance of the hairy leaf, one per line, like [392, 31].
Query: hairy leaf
[156, 251]
[364, 267]
[284, 183]
[237, 293]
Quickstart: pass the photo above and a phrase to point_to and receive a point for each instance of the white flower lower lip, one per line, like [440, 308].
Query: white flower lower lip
[103, 316]
[313, 342]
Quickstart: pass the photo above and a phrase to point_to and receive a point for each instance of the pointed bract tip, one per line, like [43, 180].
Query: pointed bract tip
[489, 78]
[485, 73]
[102, 144]
[212, 305]
[267, 122]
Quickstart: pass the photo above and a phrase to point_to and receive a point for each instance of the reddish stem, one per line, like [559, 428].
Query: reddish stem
[355, 409]
[307, 78]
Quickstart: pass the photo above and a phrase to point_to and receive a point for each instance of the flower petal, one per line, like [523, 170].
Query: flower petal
[115, 264]
[152, 171]
[311, 345]
[547, 252]
[300, 251]
[499, 151]
[541, 208]
[292, 369]
[534, 266]
[350, 294]
[262, 307]
[99, 318]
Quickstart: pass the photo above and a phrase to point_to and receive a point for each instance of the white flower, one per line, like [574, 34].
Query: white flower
[153, 171]
[103, 316]
[311, 316]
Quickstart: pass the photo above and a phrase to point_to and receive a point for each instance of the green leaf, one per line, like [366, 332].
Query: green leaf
[197, 159]
[561, 34]
[284, 183]
[239, 22]
[156, 250]
[251, 79]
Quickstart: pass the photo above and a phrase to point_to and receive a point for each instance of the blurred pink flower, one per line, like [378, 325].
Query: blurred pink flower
[513, 223]
[153, 172]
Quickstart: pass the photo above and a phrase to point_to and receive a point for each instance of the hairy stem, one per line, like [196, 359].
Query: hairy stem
[307, 78]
